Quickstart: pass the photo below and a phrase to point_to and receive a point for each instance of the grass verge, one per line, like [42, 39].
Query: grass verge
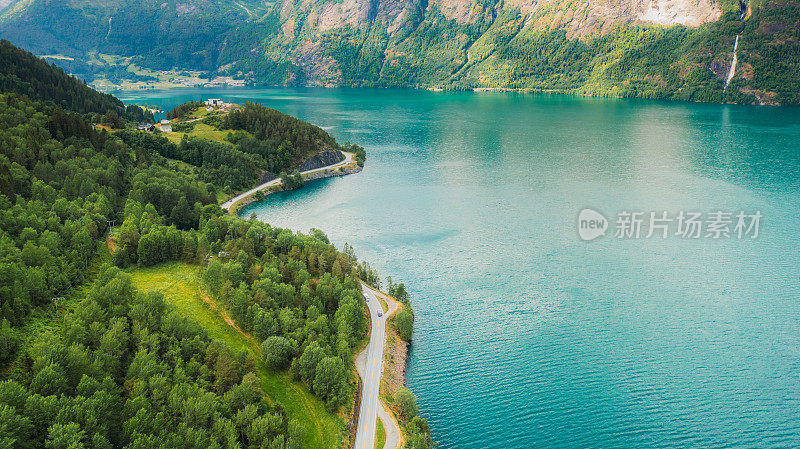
[380, 435]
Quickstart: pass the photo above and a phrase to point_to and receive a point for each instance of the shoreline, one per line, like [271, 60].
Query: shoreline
[478, 90]
[237, 206]
[395, 363]
[348, 166]
[370, 360]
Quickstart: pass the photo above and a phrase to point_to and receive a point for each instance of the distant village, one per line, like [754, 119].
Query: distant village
[219, 81]
[167, 79]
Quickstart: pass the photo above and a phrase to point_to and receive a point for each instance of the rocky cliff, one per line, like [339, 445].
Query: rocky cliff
[321, 159]
[580, 17]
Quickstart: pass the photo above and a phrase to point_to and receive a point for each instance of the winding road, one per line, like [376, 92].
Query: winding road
[348, 159]
[369, 364]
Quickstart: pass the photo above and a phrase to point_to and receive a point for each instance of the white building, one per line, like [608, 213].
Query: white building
[215, 102]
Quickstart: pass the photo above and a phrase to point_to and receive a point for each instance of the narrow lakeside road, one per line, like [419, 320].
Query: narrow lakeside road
[370, 366]
[348, 159]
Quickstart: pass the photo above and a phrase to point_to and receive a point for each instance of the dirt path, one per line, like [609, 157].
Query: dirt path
[111, 244]
[225, 316]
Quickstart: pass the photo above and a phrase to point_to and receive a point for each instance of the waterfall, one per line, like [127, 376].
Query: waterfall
[732, 70]
[109, 28]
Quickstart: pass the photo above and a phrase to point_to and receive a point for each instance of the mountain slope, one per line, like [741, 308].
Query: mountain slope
[676, 49]
[91, 357]
[25, 74]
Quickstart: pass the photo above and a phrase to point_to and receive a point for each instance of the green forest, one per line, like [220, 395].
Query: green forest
[258, 142]
[91, 357]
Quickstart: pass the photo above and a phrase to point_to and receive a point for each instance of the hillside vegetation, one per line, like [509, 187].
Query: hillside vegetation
[677, 50]
[179, 284]
[234, 150]
[97, 350]
[24, 74]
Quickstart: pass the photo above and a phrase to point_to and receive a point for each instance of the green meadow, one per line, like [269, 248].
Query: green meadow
[180, 285]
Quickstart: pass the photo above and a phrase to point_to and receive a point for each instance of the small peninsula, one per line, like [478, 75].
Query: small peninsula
[280, 151]
[134, 311]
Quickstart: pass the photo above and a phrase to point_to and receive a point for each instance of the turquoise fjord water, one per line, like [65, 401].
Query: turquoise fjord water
[527, 336]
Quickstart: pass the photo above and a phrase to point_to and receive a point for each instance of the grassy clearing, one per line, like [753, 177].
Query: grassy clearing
[380, 435]
[384, 306]
[180, 285]
[200, 112]
[208, 132]
[203, 131]
[174, 137]
[60, 57]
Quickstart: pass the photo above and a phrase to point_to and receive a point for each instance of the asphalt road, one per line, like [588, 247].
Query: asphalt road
[348, 158]
[370, 365]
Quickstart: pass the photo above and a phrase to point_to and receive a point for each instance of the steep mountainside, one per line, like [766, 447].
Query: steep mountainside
[25, 74]
[675, 49]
